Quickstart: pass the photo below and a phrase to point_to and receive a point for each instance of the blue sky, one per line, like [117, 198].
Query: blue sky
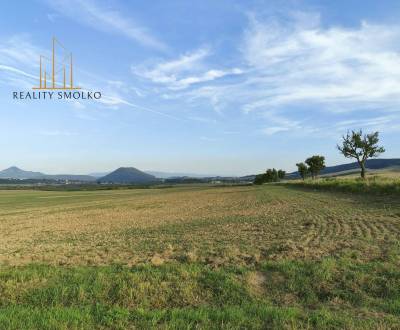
[213, 87]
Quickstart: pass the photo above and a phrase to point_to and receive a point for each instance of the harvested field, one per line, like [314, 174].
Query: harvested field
[298, 258]
[131, 226]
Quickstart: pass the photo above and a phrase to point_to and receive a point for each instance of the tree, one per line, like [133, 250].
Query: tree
[271, 175]
[259, 179]
[302, 169]
[315, 165]
[361, 147]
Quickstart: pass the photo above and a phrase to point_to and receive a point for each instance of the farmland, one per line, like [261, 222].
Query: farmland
[272, 256]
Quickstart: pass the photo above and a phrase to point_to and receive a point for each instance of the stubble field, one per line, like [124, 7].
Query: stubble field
[199, 257]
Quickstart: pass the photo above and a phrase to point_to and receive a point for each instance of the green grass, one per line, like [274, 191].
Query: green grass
[330, 293]
[372, 185]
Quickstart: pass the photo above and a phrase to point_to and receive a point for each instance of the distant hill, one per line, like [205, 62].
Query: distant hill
[14, 172]
[371, 164]
[128, 175]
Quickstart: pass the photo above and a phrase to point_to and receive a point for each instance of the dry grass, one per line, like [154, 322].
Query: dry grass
[389, 173]
[200, 258]
[217, 226]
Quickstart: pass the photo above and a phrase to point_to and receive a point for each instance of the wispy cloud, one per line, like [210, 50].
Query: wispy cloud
[18, 61]
[298, 63]
[16, 71]
[115, 101]
[181, 73]
[335, 65]
[101, 17]
[17, 50]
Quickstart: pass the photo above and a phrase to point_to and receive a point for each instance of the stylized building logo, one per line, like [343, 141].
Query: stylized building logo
[61, 75]
[56, 79]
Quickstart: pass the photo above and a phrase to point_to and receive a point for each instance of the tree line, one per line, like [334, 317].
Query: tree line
[312, 165]
[354, 144]
[271, 175]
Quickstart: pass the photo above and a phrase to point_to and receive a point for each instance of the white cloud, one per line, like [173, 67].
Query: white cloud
[296, 67]
[18, 51]
[16, 71]
[18, 61]
[104, 18]
[206, 76]
[335, 65]
[185, 62]
[385, 122]
[187, 70]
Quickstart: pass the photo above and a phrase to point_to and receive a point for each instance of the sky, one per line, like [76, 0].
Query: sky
[212, 87]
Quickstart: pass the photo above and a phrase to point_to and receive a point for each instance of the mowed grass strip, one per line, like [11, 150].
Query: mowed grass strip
[330, 293]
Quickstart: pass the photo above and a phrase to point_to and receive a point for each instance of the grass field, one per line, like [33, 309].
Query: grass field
[262, 257]
[374, 184]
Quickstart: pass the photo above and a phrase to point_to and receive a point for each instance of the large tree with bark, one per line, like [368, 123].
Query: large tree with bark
[361, 147]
